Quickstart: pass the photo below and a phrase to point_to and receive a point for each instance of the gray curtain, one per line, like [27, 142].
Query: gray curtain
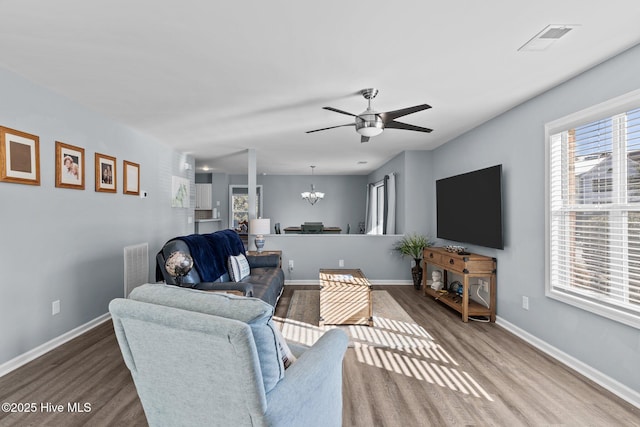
[389, 224]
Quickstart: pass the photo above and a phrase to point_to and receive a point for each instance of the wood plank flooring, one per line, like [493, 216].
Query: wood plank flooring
[499, 380]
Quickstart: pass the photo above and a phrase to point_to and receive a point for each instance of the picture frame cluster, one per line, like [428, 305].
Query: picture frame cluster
[20, 164]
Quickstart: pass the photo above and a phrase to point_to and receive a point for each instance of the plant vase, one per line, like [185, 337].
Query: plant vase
[416, 273]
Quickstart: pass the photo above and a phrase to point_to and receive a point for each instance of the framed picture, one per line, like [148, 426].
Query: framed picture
[19, 157]
[69, 166]
[105, 173]
[179, 192]
[131, 178]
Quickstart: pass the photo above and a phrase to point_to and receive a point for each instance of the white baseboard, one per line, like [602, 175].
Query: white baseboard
[615, 387]
[30, 355]
[316, 282]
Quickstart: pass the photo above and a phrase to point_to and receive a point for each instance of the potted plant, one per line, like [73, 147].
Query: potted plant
[412, 245]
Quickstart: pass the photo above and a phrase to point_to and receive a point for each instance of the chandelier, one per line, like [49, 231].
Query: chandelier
[312, 196]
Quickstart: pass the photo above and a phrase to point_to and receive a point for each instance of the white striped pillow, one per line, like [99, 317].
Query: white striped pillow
[238, 267]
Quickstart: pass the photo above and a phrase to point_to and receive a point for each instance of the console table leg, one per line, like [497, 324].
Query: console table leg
[465, 299]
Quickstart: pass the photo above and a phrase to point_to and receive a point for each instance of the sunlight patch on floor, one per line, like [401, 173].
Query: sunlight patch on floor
[396, 346]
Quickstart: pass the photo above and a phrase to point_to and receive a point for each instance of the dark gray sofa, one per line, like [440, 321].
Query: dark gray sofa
[266, 280]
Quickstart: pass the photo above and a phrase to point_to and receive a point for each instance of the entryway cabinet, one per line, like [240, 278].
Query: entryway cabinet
[203, 196]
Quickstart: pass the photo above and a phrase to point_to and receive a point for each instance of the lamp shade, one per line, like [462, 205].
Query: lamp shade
[369, 131]
[260, 226]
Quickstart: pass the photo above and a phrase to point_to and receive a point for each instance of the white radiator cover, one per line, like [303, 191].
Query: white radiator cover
[136, 266]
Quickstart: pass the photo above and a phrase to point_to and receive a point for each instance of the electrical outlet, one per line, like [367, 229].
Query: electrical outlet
[290, 265]
[525, 303]
[55, 307]
[340, 263]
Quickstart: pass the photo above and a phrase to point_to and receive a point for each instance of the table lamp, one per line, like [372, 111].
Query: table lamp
[260, 227]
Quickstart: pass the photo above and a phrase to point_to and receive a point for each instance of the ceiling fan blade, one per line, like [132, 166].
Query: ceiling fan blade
[392, 115]
[399, 125]
[339, 111]
[364, 139]
[332, 127]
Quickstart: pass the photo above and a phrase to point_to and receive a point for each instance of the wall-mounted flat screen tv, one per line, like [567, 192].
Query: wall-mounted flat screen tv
[469, 207]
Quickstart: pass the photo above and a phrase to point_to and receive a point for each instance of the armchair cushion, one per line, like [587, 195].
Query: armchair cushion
[238, 267]
[252, 311]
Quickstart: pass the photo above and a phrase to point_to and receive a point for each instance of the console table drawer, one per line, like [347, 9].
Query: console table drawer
[465, 264]
[432, 256]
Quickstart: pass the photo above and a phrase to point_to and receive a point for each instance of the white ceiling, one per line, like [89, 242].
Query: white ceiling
[215, 78]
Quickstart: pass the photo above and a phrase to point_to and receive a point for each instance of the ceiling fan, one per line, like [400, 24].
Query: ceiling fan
[371, 123]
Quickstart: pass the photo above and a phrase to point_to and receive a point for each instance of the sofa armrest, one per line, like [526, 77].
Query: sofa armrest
[240, 288]
[258, 261]
[311, 390]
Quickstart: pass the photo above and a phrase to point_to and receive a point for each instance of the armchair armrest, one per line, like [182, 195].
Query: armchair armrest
[240, 288]
[312, 385]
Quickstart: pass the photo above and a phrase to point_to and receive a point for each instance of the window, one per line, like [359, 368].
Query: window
[239, 204]
[593, 209]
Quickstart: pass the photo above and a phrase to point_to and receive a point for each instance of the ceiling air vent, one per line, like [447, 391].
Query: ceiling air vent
[545, 38]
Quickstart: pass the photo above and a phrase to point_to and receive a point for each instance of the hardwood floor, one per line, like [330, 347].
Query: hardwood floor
[494, 379]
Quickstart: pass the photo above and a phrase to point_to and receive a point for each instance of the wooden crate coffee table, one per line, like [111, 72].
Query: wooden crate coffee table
[345, 298]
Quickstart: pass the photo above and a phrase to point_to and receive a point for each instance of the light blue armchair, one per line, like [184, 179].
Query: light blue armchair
[203, 359]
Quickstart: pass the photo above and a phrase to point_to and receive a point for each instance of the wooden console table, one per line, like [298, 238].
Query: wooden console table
[469, 267]
[345, 298]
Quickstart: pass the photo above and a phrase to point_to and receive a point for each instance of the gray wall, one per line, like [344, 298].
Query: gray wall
[344, 201]
[67, 245]
[344, 204]
[415, 192]
[516, 140]
[372, 254]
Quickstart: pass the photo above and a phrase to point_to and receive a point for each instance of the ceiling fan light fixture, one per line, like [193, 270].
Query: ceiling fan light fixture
[369, 131]
[369, 124]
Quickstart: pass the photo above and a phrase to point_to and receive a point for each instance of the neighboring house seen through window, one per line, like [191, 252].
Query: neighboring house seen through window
[593, 209]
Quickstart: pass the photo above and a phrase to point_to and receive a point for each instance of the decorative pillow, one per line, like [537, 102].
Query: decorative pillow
[287, 355]
[238, 267]
[255, 312]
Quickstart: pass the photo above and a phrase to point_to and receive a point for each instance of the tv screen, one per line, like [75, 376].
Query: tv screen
[469, 207]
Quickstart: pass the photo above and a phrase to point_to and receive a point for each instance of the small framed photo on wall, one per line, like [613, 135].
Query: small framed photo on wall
[19, 157]
[131, 178]
[69, 166]
[105, 173]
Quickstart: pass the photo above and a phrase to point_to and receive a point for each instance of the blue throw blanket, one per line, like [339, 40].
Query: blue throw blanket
[210, 252]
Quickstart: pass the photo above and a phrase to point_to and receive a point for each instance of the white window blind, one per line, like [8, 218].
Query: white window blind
[593, 218]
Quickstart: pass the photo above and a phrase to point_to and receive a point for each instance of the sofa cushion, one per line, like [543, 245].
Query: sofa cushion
[255, 312]
[268, 283]
[238, 267]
